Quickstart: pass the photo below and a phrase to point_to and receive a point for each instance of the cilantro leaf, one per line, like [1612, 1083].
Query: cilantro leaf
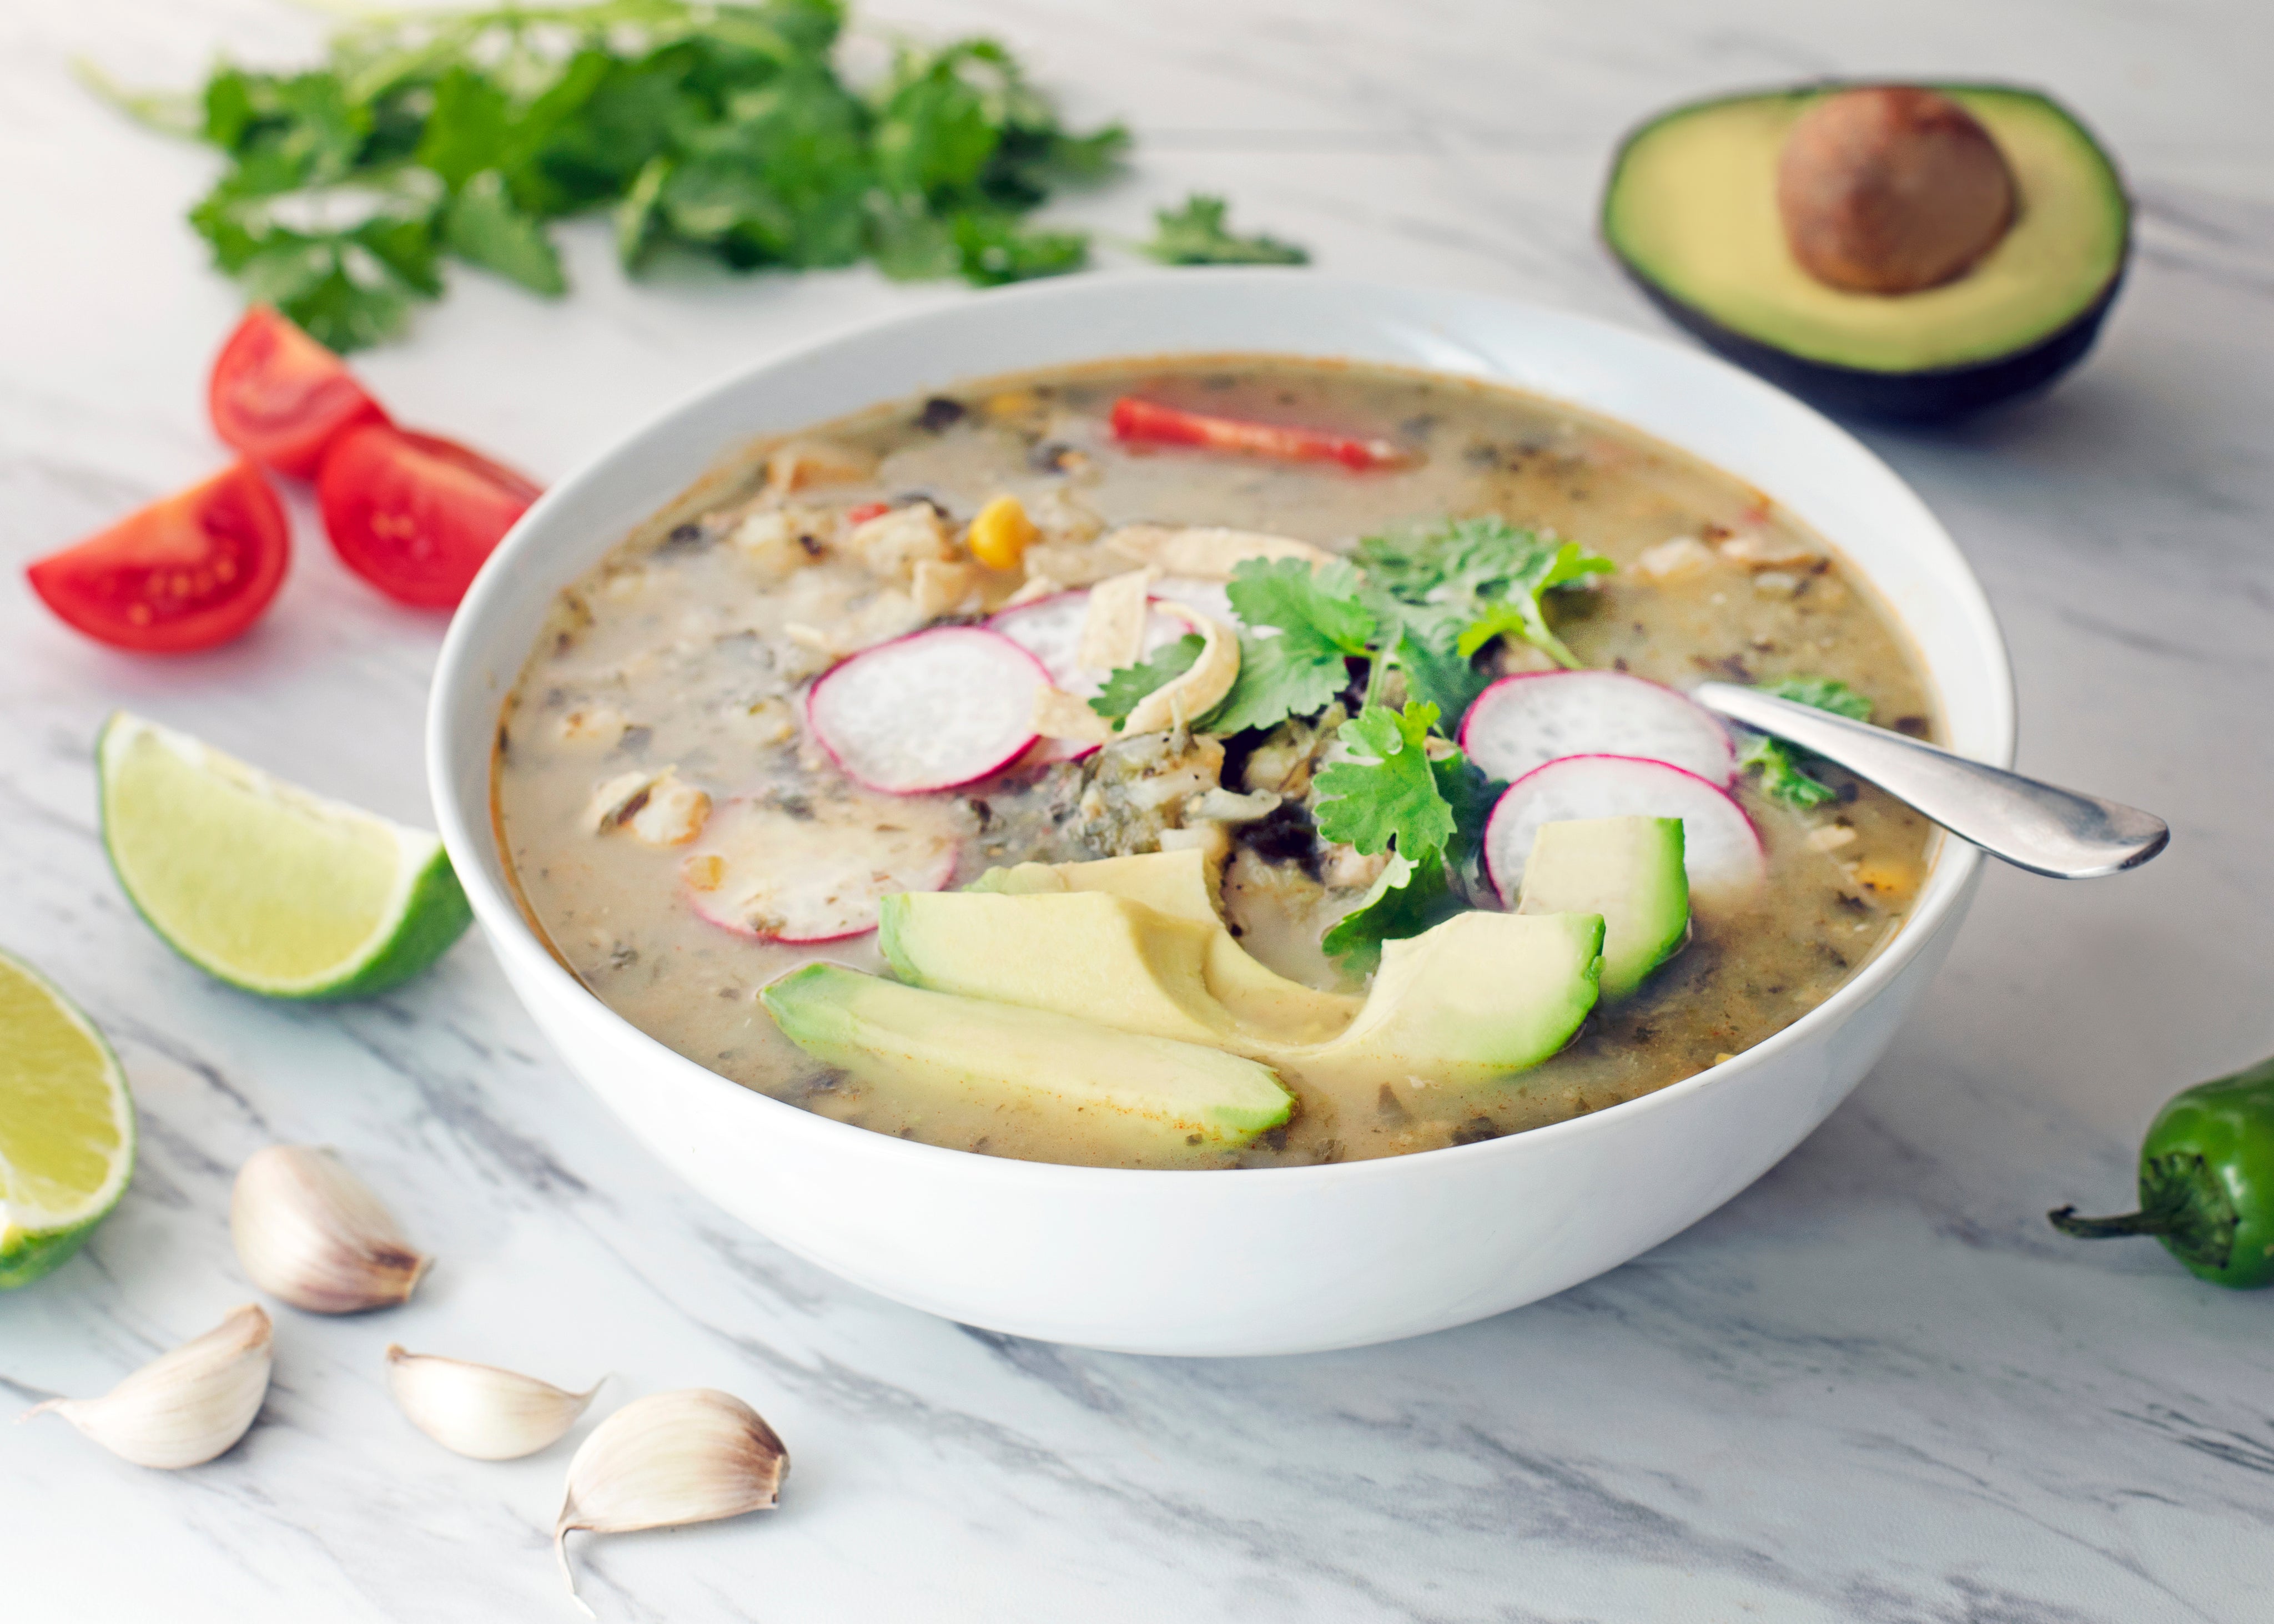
[1516, 612]
[1321, 622]
[484, 227]
[1471, 793]
[1825, 692]
[1126, 686]
[1440, 675]
[1469, 580]
[1320, 606]
[1409, 898]
[994, 249]
[1778, 762]
[1386, 792]
[1196, 235]
[1278, 678]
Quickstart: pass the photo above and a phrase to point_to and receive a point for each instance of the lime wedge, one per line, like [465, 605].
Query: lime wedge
[266, 886]
[66, 1126]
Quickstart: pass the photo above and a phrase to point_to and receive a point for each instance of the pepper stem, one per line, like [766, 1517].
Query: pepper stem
[2141, 1222]
[2182, 1204]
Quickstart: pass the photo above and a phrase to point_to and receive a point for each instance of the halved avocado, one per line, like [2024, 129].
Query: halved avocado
[1691, 213]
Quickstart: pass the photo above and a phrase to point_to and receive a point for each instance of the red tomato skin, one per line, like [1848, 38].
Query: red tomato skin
[189, 572]
[281, 398]
[415, 514]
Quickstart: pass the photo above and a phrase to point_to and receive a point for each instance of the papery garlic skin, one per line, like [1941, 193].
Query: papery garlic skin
[309, 1231]
[186, 1407]
[480, 1410]
[691, 1456]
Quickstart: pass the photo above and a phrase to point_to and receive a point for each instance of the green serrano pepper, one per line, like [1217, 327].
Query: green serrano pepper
[2206, 1181]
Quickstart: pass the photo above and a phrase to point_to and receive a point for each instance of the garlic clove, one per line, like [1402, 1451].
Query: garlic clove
[186, 1407]
[691, 1456]
[478, 1410]
[309, 1231]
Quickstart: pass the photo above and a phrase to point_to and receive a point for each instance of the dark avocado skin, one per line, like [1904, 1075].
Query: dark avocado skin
[1938, 395]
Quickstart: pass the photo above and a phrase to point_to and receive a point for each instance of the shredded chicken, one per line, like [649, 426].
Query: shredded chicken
[1670, 560]
[892, 544]
[1138, 788]
[592, 725]
[944, 588]
[1751, 550]
[779, 540]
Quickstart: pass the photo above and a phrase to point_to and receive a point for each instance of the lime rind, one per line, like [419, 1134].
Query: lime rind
[424, 911]
[34, 1242]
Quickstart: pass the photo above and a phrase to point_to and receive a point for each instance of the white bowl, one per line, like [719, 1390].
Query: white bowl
[1283, 1259]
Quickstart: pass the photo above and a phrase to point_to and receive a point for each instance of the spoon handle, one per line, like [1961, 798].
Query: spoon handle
[2031, 825]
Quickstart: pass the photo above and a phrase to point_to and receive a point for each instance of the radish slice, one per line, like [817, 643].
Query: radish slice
[929, 710]
[1721, 851]
[1050, 628]
[763, 871]
[1523, 722]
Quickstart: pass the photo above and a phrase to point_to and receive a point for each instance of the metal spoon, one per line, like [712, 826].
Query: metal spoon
[2029, 824]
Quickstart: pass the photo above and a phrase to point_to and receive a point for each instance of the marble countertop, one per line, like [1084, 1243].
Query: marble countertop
[1874, 1387]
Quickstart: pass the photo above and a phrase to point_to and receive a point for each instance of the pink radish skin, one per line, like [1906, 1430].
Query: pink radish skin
[1050, 628]
[804, 880]
[1527, 721]
[928, 711]
[1722, 849]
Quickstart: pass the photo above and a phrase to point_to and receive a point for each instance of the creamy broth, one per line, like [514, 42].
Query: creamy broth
[691, 647]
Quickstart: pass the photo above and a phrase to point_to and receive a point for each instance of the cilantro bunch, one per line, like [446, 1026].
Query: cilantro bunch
[720, 131]
[1425, 605]
[1778, 762]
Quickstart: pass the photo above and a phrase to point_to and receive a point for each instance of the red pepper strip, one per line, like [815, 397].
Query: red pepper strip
[867, 511]
[1143, 420]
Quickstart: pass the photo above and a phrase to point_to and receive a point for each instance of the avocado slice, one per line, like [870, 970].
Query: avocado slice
[1691, 213]
[1148, 1095]
[1088, 954]
[1180, 885]
[1628, 869]
[1479, 995]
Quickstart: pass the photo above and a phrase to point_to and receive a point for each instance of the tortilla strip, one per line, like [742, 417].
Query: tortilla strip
[1208, 551]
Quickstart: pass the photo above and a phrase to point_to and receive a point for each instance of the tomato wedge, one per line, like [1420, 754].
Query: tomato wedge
[1145, 421]
[415, 515]
[281, 398]
[185, 573]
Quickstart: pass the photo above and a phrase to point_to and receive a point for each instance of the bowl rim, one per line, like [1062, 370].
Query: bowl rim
[1948, 882]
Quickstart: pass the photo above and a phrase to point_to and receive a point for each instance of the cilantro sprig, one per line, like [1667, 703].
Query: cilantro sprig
[1424, 804]
[720, 131]
[1777, 762]
[1196, 235]
[1468, 581]
[1126, 687]
[1317, 623]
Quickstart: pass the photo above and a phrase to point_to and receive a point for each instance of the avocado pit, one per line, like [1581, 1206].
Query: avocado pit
[1890, 189]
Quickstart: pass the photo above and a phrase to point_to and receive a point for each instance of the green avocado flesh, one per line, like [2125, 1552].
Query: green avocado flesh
[1479, 995]
[1691, 210]
[1178, 884]
[1149, 1095]
[1628, 869]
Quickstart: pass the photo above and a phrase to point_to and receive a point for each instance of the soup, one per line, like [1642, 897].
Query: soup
[808, 695]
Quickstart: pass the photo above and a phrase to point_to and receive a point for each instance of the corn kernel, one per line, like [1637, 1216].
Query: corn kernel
[704, 872]
[1887, 878]
[1000, 532]
[1012, 403]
